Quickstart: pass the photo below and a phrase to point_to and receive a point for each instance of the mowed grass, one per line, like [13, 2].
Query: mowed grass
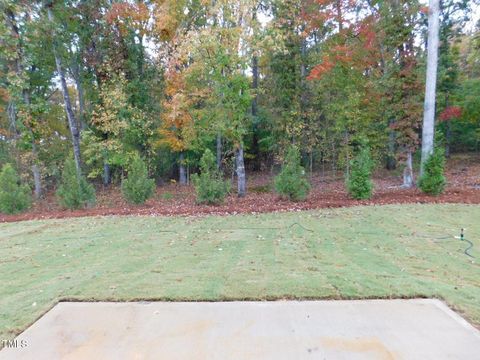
[360, 252]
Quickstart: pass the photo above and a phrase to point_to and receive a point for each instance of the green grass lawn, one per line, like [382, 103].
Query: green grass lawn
[360, 252]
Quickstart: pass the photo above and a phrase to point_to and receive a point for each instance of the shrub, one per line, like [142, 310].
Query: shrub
[14, 197]
[432, 180]
[209, 185]
[138, 188]
[74, 191]
[292, 183]
[359, 183]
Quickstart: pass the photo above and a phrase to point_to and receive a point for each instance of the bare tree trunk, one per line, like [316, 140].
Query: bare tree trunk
[255, 145]
[303, 74]
[448, 135]
[323, 166]
[334, 160]
[347, 142]
[255, 85]
[448, 139]
[81, 97]
[311, 162]
[72, 122]
[408, 179]
[339, 15]
[106, 173]
[391, 161]
[182, 173]
[12, 118]
[241, 177]
[219, 151]
[37, 180]
[431, 81]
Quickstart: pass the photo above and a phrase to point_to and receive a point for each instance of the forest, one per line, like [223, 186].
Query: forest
[130, 96]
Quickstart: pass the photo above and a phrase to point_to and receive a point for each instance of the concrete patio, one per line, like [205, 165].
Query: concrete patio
[371, 329]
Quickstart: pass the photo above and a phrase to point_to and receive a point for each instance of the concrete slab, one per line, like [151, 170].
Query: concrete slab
[373, 329]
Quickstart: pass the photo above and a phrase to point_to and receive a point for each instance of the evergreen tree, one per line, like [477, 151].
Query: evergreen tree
[433, 180]
[292, 183]
[74, 191]
[14, 197]
[209, 185]
[359, 182]
[138, 188]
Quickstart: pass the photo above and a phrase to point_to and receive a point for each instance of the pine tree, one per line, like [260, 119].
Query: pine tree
[209, 185]
[432, 180]
[359, 182]
[14, 197]
[292, 183]
[138, 188]
[74, 191]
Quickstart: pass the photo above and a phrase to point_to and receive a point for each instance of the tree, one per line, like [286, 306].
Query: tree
[72, 121]
[346, 74]
[19, 86]
[432, 181]
[138, 187]
[74, 191]
[428, 129]
[291, 183]
[168, 79]
[359, 182]
[176, 130]
[400, 81]
[118, 130]
[14, 197]
[209, 185]
[210, 64]
[453, 17]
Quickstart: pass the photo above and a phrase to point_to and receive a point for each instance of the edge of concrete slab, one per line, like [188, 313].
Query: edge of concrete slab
[441, 304]
[454, 315]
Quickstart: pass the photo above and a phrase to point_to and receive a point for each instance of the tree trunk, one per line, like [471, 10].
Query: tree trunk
[347, 144]
[37, 180]
[72, 122]
[219, 151]
[255, 146]
[311, 162]
[339, 15]
[448, 138]
[408, 179]
[182, 173]
[240, 166]
[431, 81]
[12, 118]
[81, 97]
[448, 135]
[303, 75]
[106, 174]
[391, 159]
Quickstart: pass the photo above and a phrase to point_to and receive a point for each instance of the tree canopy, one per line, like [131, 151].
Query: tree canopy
[164, 80]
